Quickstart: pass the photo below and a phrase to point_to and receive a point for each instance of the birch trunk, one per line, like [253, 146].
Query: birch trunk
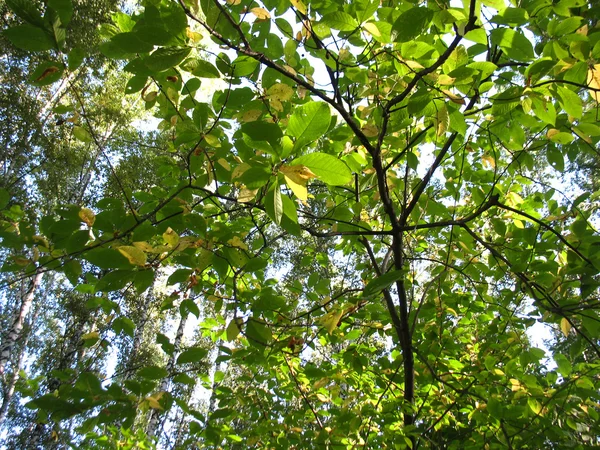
[17, 327]
[155, 416]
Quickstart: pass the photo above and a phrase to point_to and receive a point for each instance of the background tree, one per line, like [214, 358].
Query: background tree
[366, 220]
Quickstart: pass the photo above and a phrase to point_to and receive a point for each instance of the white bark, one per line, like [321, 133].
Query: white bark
[17, 327]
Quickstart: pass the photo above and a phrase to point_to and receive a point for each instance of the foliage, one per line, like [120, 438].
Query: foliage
[359, 207]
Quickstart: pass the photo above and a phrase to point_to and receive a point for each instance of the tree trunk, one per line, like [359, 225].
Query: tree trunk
[155, 415]
[17, 327]
[9, 388]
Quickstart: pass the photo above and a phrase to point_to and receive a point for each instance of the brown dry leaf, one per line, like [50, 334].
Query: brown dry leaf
[49, 71]
[593, 81]
[261, 13]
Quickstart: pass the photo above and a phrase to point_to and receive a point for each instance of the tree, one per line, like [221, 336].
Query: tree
[366, 219]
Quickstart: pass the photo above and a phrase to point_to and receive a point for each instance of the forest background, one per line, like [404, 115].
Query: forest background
[289, 224]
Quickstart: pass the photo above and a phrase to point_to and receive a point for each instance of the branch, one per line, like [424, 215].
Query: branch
[261, 58]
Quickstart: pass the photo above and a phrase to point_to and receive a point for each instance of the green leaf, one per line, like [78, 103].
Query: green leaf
[513, 43]
[495, 408]
[535, 406]
[257, 332]
[570, 102]
[411, 23]
[202, 69]
[64, 9]
[233, 329]
[263, 131]
[243, 66]
[75, 58]
[124, 325]
[130, 42]
[26, 10]
[153, 373]
[114, 281]
[107, 258]
[383, 282]
[189, 305]
[555, 158]
[166, 58]
[309, 122]
[81, 134]
[29, 37]
[327, 167]
[192, 355]
[563, 364]
[4, 198]
[340, 20]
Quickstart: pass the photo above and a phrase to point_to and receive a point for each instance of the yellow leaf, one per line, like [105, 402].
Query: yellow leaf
[299, 173]
[280, 91]
[251, 115]
[144, 246]
[135, 256]
[552, 132]
[321, 383]
[370, 130]
[442, 120]
[193, 35]
[213, 141]
[299, 5]
[445, 80]
[331, 320]
[299, 190]
[153, 400]
[593, 80]
[371, 28]
[261, 13]
[93, 335]
[87, 216]
[150, 96]
[223, 162]
[171, 237]
[237, 242]
[583, 30]
[234, 328]
[488, 160]
[565, 326]
[453, 97]
[323, 398]
[21, 261]
[276, 104]
[239, 170]
[247, 195]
